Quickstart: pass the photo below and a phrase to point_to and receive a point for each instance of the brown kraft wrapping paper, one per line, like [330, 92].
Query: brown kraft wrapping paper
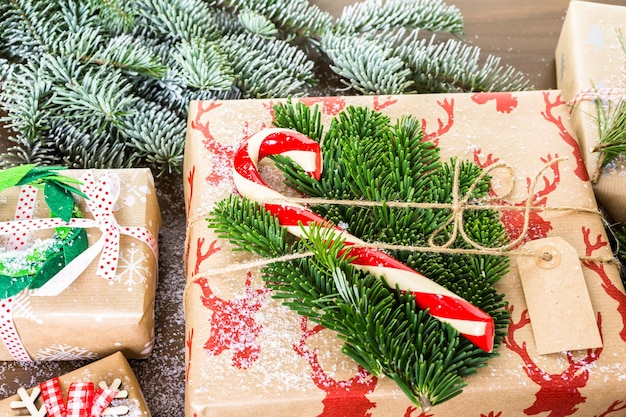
[107, 370]
[249, 355]
[94, 316]
[589, 56]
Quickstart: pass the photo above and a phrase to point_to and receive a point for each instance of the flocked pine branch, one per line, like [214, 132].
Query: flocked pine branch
[78, 69]
[376, 15]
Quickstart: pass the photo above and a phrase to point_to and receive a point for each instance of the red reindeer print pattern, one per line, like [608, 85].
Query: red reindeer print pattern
[492, 414]
[233, 325]
[343, 398]
[609, 287]
[505, 102]
[443, 126]
[613, 408]
[409, 413]
[269, 107]
[330, 105]
[580, 171]
[513, 220]
[189, 345]
[379, 103]
[190, 178]
[559, 394]
[201, 257]
[221, 154]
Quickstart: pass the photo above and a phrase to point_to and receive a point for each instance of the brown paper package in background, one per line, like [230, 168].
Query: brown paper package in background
[104, 370]
[255, 359]
[95, 317]
[589, 56]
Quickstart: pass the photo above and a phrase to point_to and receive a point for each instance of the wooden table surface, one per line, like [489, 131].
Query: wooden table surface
[523, 33]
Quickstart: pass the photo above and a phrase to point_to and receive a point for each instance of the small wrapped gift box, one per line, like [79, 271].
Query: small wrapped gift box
[103, 300]
[590, 63]
[106, 387]
[247, 354]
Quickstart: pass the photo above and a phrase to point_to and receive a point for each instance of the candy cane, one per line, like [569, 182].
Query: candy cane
[473, 323]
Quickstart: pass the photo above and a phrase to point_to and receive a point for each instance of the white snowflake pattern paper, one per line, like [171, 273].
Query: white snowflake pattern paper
[64, 353]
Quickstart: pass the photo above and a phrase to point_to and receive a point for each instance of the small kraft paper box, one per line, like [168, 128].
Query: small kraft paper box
[103, 300]
[590, 64]
[249, 355]
[107, 387]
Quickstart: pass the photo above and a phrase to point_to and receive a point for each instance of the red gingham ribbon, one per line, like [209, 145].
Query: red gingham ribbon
[52, 397]
[82, 399]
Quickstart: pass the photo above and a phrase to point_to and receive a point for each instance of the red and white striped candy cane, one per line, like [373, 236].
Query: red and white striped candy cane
[473, 323]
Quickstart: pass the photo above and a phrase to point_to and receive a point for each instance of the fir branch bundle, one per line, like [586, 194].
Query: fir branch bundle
[367, 157]
[87, 68]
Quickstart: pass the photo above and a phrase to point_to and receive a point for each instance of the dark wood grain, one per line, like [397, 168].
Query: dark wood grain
[523, 33]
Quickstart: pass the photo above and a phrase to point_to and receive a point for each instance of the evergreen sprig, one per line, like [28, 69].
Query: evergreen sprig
[79, 68]
[367, 156]
[612, 127]
[611, 118]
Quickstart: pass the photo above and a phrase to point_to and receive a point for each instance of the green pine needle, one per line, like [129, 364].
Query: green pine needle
[77, 69]
[612, 126]
[367, 156]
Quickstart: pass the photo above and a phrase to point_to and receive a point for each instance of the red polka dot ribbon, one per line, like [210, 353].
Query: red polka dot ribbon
[473, 323]
[103, 195]
[23, 211]
[10, 337]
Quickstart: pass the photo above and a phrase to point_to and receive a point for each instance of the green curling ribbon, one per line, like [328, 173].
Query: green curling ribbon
[34, 267]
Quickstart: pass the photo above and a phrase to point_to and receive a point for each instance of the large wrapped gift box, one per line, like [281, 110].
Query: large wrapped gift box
[590, 62]
[93, 315]
[247, 354]
[121, 396]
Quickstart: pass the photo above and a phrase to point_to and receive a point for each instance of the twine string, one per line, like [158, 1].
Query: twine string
[458, 206]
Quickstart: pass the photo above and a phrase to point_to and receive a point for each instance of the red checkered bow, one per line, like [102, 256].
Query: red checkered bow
[82, 399]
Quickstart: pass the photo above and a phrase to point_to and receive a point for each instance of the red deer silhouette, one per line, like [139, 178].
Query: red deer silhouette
[343, 398]
[330, 105]
[379, 104]
[222, 154]
[505, 102]
[448, 107]
[189, 345]
[409, 412]
[201, 257]
[611, 289]
[580, 171]
[232, 323]
[190, 178]
[558, 394]
[617, 405]
[492, 414]
[513, 220]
